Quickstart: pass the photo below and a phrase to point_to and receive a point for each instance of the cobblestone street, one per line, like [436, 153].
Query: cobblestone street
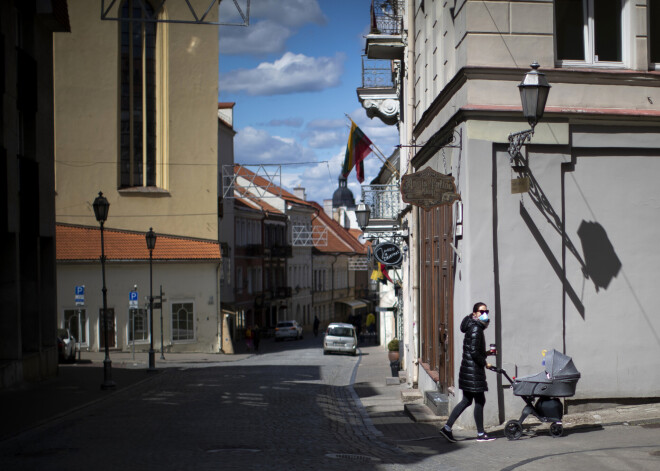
[287, 408]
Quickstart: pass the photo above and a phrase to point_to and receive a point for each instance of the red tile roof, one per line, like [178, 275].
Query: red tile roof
[339, 238]
[266, 184]
[84, 243]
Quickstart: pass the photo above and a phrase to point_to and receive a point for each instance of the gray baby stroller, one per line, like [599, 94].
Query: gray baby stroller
[558, 380]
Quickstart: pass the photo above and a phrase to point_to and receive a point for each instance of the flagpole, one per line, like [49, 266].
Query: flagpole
[379, 154]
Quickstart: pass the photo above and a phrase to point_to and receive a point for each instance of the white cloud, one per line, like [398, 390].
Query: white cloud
[287, 122]
[292, 73]
[264, 37]
[256, 146]
[272, 22]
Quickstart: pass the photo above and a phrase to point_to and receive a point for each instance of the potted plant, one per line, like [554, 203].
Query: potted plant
[393, 350]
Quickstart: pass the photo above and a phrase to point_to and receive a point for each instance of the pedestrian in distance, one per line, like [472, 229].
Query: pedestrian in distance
[256, 337]
[316, 326]
[248, 339]
[472, 375]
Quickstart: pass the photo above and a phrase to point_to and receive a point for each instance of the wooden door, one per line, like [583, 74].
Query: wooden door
[436, 316]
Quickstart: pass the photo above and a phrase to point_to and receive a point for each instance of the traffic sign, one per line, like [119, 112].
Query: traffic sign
[80, 295]
[133, 299]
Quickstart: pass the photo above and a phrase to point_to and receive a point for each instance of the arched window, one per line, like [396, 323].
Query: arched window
[138, 96]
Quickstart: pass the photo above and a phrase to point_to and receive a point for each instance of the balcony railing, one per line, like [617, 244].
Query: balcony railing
[377, 73]
[383, 200]
[387, 16]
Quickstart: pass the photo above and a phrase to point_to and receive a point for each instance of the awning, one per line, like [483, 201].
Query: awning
[353, 303]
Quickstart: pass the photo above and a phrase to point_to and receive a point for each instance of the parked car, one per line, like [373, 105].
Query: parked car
[66, 345]
[288, 330]
[340, 338]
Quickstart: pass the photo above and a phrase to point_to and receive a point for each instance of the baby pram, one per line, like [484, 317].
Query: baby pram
[558, 380]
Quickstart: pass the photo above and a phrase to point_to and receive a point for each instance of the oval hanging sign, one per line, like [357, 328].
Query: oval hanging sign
[388, 253]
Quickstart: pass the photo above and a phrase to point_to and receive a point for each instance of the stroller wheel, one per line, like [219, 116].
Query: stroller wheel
[513, 430]
[556, 429]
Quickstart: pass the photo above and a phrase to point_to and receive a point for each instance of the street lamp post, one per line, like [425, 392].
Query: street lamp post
[534, 90]
[101, 207]
[151, 244]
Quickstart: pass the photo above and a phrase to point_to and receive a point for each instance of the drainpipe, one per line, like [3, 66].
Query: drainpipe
[414, 246]
[218, 306]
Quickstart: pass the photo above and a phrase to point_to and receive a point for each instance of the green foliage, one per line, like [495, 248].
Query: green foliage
[393, 346]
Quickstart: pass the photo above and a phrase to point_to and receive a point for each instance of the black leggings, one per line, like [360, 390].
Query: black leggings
[479, 401]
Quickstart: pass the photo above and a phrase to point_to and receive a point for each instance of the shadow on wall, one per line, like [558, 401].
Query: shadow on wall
[601, 263]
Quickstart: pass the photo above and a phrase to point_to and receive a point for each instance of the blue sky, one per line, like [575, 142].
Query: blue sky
[293, 74]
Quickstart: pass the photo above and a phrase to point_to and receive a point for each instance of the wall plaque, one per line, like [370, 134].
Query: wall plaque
[428, 189]
[388, 253]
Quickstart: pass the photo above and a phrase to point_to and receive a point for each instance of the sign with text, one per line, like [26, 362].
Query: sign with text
[388, 253]
[428, 189]
[80, 295]
[133, 299]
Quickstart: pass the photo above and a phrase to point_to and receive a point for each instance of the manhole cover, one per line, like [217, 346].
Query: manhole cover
[347, 456]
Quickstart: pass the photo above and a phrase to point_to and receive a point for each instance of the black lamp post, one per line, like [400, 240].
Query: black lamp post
[151, 244]
[101, 207]
[362, 214]
[534, 90]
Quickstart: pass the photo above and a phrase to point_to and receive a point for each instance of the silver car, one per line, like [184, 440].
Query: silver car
[340, 338]
[288, 330]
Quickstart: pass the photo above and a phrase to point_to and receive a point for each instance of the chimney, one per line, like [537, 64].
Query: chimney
[327, 207]
[300, 193]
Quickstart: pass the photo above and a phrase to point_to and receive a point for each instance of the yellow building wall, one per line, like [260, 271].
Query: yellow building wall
[86, 77]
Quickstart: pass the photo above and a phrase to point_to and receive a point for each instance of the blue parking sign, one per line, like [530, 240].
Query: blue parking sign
[133, 299]
[80, 295]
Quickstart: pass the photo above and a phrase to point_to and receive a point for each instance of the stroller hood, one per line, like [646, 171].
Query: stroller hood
[557, 367]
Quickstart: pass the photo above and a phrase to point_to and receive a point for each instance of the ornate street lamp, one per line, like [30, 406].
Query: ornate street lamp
[101, 207]
[151, 244]
[534, 90]
[362, 213]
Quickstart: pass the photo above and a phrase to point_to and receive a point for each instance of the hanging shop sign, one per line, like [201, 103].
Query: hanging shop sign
[388, 253]
[428, 189]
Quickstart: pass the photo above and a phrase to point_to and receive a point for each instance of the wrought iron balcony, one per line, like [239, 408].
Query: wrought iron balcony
[379, 94]
[385, 39]
[387, 16]
[384, 201]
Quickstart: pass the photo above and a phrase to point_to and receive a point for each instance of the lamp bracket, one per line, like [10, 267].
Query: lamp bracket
[517, 140]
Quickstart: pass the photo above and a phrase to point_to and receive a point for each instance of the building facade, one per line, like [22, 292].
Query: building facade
[136, 117]
[557, 239]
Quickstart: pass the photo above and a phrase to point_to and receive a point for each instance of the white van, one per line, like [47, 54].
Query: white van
[340, 338]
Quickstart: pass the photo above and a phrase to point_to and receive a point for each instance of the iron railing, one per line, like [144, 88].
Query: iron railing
[377, 73]
[382, 200]
[387, 16]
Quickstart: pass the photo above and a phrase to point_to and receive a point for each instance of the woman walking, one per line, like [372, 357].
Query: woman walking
[472, 375]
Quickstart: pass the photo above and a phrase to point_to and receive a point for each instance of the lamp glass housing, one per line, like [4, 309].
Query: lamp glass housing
[151, 239]
[534, 90]
[362, 213]
[101, 207]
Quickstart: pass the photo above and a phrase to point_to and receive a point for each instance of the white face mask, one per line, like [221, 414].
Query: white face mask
[484, 318]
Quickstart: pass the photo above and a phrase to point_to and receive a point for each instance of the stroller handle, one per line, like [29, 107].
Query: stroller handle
[502, 372]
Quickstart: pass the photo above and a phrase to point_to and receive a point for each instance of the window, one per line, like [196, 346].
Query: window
[138, 96]
[183, 322]
[654, 33]
[138, 327]
[590, 32]
[76, 324]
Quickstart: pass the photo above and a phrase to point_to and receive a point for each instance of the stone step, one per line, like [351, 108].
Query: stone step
[411, 396]
[421, 413]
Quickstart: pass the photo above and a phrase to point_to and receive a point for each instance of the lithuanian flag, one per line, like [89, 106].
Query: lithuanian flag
[357, 149]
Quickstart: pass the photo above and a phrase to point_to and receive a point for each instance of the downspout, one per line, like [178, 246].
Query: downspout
[414, 253]
[218, 306]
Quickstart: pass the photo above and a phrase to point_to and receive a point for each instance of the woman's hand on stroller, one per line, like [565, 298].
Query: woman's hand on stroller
[491, 367]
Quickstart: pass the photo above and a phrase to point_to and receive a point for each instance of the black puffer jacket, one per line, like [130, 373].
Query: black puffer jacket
[472, 376]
